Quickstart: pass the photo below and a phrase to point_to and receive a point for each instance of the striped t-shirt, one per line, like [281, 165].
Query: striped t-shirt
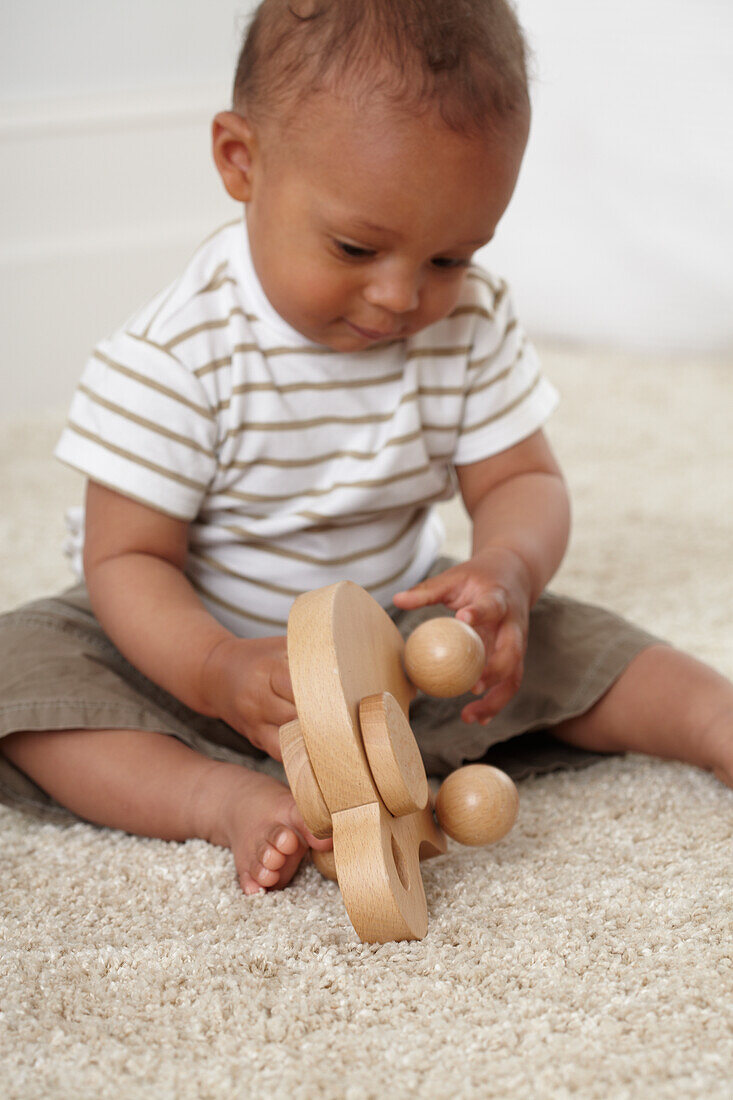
[297, 465]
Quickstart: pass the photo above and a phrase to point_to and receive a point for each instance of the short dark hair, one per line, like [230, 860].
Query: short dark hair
[467, 57]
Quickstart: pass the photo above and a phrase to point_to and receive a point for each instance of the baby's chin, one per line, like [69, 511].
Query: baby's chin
[341, 341]
[341, 336]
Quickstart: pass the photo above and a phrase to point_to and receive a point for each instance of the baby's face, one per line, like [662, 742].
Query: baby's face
[362, 225]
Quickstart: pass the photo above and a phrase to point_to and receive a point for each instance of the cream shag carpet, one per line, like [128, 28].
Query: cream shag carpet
[588, 954]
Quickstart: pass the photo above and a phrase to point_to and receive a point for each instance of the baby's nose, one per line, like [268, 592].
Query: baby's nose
[397, 292]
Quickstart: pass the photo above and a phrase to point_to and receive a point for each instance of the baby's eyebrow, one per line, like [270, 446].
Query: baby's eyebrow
[370, 227]
[363, 225]
[359, 223]
[340, 222]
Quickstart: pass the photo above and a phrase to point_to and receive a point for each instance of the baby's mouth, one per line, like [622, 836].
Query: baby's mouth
[370, 334]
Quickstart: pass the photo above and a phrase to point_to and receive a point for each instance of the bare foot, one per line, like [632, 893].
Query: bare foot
[667, 704]
[719, 736]
[709, 726]
[256, 817]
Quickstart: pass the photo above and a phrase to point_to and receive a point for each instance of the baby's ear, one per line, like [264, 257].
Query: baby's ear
[234, 146]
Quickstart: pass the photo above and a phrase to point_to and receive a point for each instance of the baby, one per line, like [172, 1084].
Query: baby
[284, 415]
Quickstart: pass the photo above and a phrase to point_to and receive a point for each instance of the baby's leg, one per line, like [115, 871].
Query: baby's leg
[666, 704]
[153, 785]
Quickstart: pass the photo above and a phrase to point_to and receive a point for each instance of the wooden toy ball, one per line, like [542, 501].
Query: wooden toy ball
[477, 804]
[444, 657]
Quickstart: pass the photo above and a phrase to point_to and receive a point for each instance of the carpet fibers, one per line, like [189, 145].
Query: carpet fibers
[587, 954]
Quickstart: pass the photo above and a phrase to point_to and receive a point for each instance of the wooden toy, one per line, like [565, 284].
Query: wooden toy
[354, 767]
[477, 804]
[444, 657]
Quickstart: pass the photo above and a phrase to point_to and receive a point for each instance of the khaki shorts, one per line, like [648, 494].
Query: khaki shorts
[58, 670]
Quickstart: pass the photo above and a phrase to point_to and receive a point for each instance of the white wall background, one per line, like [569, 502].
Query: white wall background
[621, 231]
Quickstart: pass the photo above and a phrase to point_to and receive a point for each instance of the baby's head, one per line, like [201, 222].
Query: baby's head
[376, 144]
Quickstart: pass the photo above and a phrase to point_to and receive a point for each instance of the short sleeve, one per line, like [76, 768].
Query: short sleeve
[140, 424]
[507, 396]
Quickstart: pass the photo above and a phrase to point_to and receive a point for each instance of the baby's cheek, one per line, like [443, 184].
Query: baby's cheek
[440, 298]
[329, 298]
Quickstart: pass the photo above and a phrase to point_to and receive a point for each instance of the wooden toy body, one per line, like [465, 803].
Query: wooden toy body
[345, 653]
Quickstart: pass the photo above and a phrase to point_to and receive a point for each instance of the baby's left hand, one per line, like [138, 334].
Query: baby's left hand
[490, 592]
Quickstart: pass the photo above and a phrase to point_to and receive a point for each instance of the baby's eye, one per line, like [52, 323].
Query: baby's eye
[446, 263]
[353, 251]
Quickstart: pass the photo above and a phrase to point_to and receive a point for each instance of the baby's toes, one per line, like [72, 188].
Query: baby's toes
[290, 866]
[282, 848]
[281, 844]
[249, 885]
[312, 841]
[253, 874]
[324, 845]
[265, 876]
[285, 841]
[270, 857]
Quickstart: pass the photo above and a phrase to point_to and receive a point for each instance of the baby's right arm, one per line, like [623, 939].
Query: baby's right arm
[133, 564]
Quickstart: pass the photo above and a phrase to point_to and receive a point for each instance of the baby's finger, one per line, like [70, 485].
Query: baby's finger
[506, 654]
[483, 710]
[269, 741]
[488, 608]
[280, 681]
[438, 589]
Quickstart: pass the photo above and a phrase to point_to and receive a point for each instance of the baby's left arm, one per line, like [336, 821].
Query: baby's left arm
[520, 512]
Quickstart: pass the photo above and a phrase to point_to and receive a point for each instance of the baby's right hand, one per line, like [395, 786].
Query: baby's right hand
[247, 684]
